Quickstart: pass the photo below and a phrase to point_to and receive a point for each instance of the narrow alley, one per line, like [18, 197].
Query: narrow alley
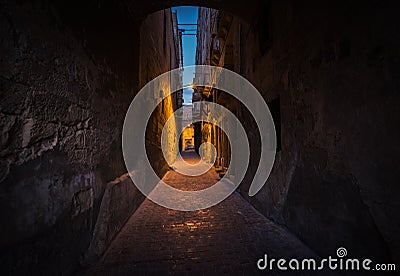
[226, 239]
[199, 137]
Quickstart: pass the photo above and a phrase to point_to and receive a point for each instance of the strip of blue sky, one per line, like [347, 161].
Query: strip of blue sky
[188, 15]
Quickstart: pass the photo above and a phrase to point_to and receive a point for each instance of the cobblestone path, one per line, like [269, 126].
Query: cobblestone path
[227, 238]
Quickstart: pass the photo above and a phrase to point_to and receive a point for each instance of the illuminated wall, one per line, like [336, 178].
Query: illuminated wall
[159, 54]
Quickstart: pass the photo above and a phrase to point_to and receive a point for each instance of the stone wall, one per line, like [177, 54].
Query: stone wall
[69, 71]
[332, 69]
[121, 198]
[158, 55]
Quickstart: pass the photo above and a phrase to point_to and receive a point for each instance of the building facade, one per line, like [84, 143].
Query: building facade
[160, 52]
[187, 129]
[214, 47]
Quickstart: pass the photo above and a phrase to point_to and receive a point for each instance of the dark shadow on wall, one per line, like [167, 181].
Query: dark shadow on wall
[68, 72]
[70, 69]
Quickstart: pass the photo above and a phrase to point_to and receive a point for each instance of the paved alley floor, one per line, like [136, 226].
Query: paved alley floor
[227, 238]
